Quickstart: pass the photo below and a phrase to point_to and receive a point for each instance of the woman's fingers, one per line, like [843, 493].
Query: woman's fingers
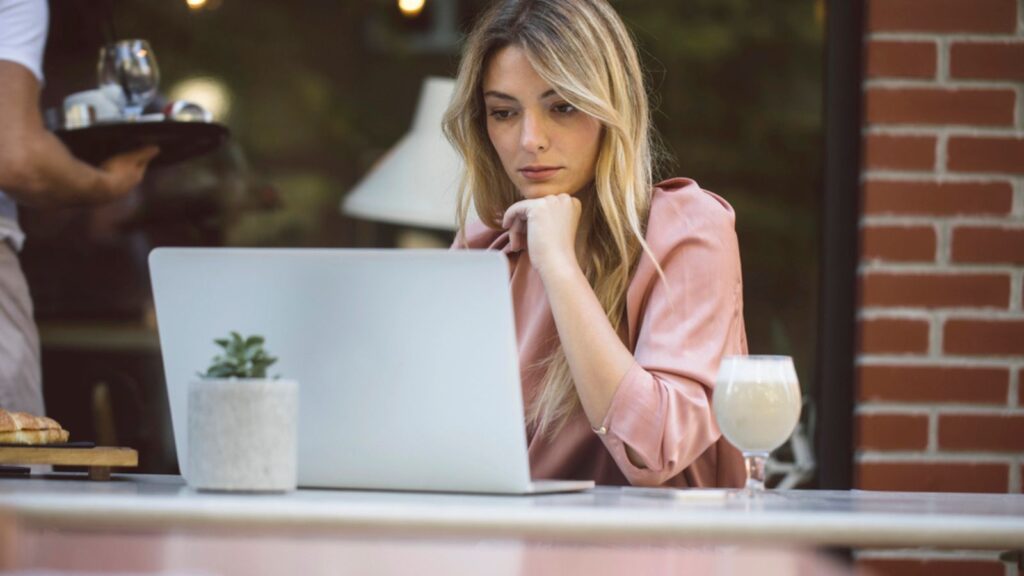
[544, 226]
[517, 235]
[521, 210]
[517, 211]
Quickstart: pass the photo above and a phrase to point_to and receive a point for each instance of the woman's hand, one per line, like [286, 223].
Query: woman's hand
[549, 225]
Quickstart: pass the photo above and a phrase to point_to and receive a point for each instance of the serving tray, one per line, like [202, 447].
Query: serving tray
[178, 141]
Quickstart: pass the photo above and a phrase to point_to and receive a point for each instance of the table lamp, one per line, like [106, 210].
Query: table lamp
[415, 183]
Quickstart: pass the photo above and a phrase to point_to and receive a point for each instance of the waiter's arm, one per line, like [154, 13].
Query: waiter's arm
[35, 167]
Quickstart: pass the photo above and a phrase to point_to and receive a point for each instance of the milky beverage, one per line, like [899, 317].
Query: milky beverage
[757, 401]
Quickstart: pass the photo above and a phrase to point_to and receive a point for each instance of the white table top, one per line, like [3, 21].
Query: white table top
[173, 552]
[802, 518]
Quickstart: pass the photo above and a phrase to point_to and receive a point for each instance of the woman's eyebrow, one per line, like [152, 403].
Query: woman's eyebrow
[503, 96]
[500, 95]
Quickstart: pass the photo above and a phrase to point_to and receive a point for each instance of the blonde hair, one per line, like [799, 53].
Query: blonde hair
[583, 50]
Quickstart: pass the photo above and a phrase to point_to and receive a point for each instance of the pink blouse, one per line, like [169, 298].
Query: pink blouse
[678, 335]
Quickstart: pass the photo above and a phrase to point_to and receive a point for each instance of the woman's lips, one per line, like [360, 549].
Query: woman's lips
[538, 174]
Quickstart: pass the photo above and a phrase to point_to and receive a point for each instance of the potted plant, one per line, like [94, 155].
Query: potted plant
[242, 425]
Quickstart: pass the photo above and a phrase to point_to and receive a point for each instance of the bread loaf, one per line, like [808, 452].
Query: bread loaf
[23, 428]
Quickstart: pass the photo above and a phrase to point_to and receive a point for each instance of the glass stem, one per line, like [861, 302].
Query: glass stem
[755, 470]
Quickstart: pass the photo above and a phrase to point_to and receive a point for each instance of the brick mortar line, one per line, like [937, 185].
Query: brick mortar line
[1019, 109]
[935, 339]
[910, 313]
[1013, 394]
[938, 129]
[932, 442]
[1016, 289]
[942, 154]
[942, 56]
[935, 409]
[924, 554]
[914, 175]
[876, 174]
[1017, 208]
[1015, 479]
[944, 242]
[932, 177]
[919, 457]
[958, 130]
[950, 84]
[946, 361]
[958, 220]
[882, 313]
[888, 409]
[936, 36]
[956, 312]
[929, 269]
[940, 274]
[935, 222]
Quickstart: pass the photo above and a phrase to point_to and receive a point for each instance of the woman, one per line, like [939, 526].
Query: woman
[627, 294]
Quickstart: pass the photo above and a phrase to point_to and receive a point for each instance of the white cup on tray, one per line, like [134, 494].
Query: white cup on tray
[106, 104]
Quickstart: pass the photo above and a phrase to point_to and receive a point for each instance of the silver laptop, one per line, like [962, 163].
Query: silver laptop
[406, 360]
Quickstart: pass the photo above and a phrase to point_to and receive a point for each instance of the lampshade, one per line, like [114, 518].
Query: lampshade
[416, 181]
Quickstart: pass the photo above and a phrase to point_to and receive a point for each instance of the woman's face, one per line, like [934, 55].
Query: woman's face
[546, 145]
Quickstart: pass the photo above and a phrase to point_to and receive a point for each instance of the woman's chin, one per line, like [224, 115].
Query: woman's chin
[533, 190]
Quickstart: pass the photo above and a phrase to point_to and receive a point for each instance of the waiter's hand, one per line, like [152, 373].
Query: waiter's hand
[122, 173]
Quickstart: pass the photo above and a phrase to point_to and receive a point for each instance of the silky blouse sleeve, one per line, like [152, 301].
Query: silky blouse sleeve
[662, 407]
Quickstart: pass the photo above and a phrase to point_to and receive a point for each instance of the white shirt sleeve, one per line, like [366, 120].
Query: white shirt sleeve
[23, 27]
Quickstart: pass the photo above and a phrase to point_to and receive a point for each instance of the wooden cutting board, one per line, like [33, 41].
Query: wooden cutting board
[98, 459]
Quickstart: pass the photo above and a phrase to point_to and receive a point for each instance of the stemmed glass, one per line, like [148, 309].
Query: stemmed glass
[757, 405]
[131, 66]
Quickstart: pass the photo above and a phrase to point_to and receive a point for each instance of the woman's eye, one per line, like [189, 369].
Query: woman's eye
[564, 108]
[501, 114]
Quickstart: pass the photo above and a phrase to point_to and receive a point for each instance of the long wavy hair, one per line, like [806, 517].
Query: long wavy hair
[583, 50]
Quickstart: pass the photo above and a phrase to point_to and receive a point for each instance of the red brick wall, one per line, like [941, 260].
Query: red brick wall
[941, 315]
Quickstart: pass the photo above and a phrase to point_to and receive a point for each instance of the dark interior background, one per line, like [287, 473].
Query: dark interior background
[314, 92]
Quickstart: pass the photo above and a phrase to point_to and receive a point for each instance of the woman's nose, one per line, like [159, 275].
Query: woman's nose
[534, 137]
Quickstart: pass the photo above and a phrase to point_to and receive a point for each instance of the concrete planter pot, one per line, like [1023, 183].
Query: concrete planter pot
[242, 435]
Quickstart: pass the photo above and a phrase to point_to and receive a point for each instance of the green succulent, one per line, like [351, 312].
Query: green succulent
[242, 358]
